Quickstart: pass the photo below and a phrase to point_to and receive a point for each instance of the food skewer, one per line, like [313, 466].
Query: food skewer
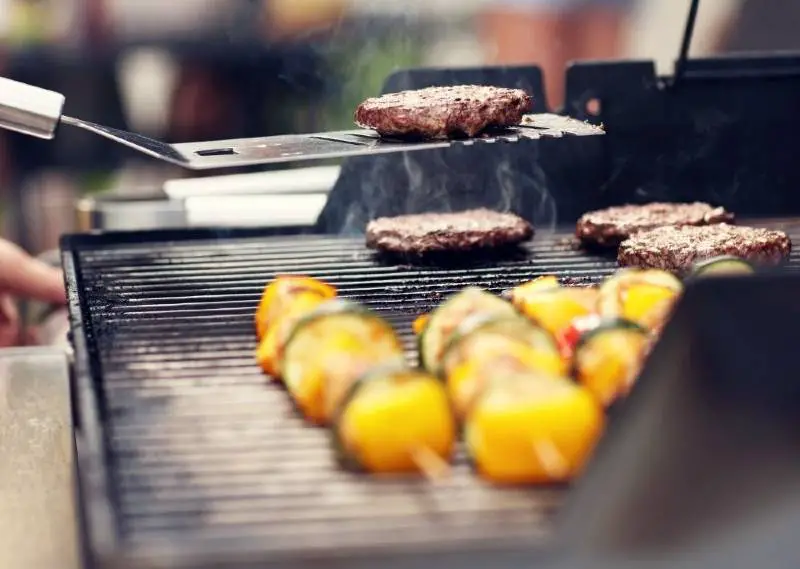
[329, 349]
[281, 291]
[499, 370]
[324, 346]
[395, 420]
[430, 464]
[527, 429]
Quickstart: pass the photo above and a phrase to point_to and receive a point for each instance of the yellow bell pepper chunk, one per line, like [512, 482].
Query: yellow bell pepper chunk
[555, 310]
[279, 291]
[642, 296]
[532, 430]
[418, 326]
[643, 303]
[608, 363]
[391, 421]
[328, 355]
[270, 348]
[497, 356]
[537, 285]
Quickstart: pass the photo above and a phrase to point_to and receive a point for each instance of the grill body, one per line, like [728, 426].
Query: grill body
[189, 457]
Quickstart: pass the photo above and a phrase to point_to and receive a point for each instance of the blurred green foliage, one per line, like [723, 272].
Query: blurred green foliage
[92, 183]
[363, 65]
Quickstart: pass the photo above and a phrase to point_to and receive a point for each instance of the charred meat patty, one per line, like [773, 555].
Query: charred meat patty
[677, 249]
[609, 227]
[443, 112]
[437, 232]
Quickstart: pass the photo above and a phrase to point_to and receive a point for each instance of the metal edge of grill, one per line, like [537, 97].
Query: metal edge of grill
[99, 525]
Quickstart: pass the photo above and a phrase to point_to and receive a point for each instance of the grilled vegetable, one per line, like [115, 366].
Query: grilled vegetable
[478, 335]
[608, 358]
[484, 346]
[568, 338]
[446, 318]
[270, 349]
[548, 282]
[642, 296]
[553, 307]
[726, 265]
[329, 349]
[394, 420]
[419, 324]
[279, 291]
[470, 379]
[526, 429]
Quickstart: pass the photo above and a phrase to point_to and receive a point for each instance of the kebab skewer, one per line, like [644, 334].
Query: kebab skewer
[340, 360]
[502, 366]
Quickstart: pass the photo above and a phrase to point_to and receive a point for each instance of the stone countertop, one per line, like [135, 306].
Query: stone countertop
[37, 508]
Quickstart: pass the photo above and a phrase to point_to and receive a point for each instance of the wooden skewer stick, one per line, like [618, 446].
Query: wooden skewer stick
[432, 466]
[551, 458]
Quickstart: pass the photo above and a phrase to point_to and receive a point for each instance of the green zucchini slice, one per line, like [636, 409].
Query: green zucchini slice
[446, 318]
[726, 265]
[329, 349]
[608, 358]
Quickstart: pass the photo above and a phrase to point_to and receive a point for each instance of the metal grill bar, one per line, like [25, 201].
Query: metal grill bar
[206, 458]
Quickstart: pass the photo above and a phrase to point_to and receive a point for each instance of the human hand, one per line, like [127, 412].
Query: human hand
[24, 277]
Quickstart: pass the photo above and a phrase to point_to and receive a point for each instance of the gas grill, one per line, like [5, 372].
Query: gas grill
[188, 457]
[191, 457]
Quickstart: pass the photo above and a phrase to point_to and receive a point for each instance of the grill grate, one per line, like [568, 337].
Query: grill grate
[203, 458]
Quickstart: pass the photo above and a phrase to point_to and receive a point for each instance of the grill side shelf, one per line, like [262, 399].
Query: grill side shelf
[99, 522]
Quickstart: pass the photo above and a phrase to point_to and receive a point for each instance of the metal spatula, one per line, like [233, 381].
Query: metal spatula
[37, 112]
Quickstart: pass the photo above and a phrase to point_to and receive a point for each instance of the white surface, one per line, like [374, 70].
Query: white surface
[319, 179]
[37, 508]
[132, 216]
[254, 211]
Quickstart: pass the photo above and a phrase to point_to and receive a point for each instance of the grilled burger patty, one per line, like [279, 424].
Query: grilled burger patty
[677, 249]
[436, 232]
[443, 112]
[609, 227]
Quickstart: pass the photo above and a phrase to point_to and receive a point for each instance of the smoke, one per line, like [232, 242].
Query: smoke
[527, 193]
[502, 177]
[416, 185]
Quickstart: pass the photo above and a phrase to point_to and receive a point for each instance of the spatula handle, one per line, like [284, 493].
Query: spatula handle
[29, 110]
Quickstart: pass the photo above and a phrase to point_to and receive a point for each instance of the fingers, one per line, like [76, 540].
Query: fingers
[26, 277]
[9, 323]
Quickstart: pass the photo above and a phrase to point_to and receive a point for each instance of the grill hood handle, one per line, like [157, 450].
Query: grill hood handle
[29, 110]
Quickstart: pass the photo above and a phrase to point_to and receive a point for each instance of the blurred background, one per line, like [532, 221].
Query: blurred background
[186, 70]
